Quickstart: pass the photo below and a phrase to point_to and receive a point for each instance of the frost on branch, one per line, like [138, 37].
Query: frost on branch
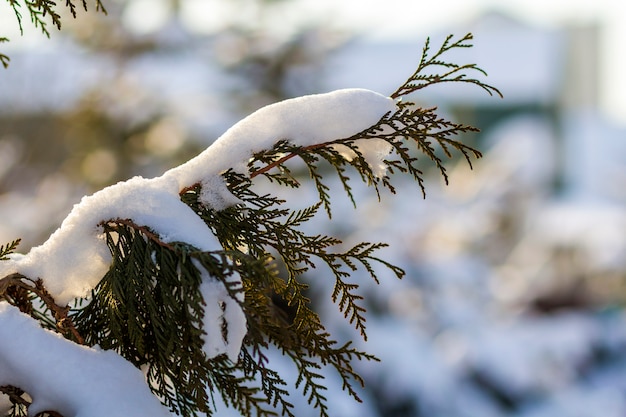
[178, 274]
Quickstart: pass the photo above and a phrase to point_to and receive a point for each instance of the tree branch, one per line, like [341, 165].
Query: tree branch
[143, 229]
[286, 158]
[15, 396]
[63, 323]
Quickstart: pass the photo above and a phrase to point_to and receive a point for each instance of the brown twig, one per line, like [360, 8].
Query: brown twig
[267, 167]
[15, 396]
[143, 229]
[286, 158]
[63, 322]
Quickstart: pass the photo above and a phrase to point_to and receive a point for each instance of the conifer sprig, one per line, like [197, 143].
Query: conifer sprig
[8, 249]
[42, 13]
[149, 309]
[451, 72]
[38, 10]
[407, 130]
[4, 59]
[263, 226]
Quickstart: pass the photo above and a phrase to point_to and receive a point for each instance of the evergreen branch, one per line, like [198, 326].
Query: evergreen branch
[343, 292]
[271, 383]
[419, 80]
[20, 404]
[10, 287]
[8, 249]
[310, 160]
[302, 338]
[260, 225]
[38, 10]
[307, 378]
[348, 300]
[41, 10]
[4, 59]
[342, 361]
[297, 250]
[235, 391]
[15, 5]
[149, 307]
[423, 127]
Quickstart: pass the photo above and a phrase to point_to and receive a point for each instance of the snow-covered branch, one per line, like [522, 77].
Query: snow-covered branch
[177, 274]
[75, 258]
[68, 378]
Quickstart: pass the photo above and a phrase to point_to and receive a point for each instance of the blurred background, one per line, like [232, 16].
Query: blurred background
[513, 303]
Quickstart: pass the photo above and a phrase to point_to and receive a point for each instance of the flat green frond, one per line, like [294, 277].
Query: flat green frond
[455, 72]
[148, 308]
[410, 131]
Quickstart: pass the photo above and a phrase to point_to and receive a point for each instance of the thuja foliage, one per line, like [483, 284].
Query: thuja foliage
[43, 13]
[148, 306]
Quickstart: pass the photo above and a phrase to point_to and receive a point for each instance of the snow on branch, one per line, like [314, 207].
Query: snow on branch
[177, 274]
[65, 377]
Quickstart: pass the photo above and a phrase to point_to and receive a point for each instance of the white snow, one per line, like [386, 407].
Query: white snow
[75, 257]
[220, 308]
[373, 150]
[303, 121]
[62, 376]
